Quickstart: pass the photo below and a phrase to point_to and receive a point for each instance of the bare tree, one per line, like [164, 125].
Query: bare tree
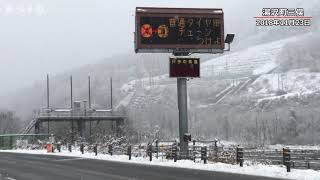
[9, 122]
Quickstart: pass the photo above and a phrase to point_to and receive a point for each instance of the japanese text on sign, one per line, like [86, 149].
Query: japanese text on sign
[191, 29]
[184, 67]
[171, 30]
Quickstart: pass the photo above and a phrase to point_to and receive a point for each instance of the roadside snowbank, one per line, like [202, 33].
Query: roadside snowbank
[258, 169]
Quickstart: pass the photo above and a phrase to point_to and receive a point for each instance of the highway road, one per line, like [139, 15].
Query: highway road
[14, 166]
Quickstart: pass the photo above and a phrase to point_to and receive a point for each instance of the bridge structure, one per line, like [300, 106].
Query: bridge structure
[80, 116]
[78, 119]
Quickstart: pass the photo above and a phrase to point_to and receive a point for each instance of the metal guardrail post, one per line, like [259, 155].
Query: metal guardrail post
[59, 147]
[149, 151]
[194, 150]
[110, 150]
[204, 154]
[216, 148]
[52, 147]
[129, 152]
[82, 148]
[286, 158]
[70, 147]
[174, 152]
[157, 148]
[215, 143]
[239, 155]
[95, 149]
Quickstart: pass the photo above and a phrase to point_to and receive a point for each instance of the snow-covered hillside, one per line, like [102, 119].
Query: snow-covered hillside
[246, 62]
[251, 61]
[231, 66]
[294, 83]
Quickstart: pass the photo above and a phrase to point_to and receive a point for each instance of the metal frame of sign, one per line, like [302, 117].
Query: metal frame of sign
[177, 12]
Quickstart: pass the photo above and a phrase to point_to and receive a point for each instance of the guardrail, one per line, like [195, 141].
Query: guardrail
[290, 158]
[160, 150]
[299, 158]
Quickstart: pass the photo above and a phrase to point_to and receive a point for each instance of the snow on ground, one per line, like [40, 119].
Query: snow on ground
[258, 169]
[125, 101]
[275, 97]
[147, 81]
[298, 82]
[265, 68]
[261, 57]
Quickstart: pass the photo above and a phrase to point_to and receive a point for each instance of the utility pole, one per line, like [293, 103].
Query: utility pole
[48, 99]
[71, 94]
[89, 90]
[71, 107]
[111, 105]
[89, 102]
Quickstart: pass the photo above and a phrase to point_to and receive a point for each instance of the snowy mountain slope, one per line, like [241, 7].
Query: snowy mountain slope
[131, 82]
[245, 61]
[284, 85]
[238, 65]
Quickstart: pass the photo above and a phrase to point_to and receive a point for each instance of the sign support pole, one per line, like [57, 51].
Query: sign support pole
[183, 115]
[183, 110]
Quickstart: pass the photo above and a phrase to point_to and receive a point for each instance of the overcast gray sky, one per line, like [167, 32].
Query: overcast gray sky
[40, 36]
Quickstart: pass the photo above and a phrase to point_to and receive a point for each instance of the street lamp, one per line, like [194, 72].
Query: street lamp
[229, 40]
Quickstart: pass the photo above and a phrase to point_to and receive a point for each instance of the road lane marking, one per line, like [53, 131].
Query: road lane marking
[9, 178]
[6, 177]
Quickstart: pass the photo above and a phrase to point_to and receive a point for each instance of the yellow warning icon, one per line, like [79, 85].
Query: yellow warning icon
[163, 31]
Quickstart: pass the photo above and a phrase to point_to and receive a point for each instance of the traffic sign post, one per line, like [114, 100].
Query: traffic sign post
[180, 31]
[183, 114]
[183, 68]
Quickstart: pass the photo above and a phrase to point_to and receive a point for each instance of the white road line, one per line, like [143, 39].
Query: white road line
[70, 159]
[9, 178]
[6, 177]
